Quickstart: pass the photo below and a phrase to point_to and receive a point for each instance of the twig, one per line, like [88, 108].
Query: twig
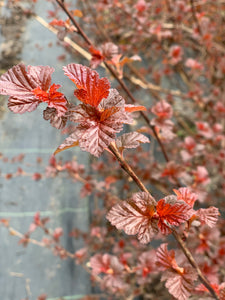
[113, 72]
[195, 17]
[126, 166]
[191, 260]
[128, 169]
[184, 248]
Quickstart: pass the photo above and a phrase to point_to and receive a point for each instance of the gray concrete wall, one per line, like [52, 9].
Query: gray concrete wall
[28, 272]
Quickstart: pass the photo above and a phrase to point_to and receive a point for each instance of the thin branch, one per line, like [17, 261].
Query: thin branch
[184, 248]
[113, 72]
[195, 17]
[128, 169]
[79, 29]
[191, 260]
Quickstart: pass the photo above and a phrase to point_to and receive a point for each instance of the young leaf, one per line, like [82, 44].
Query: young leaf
[19, 82]
[165, 258]
[91, 89]
[53, 98]
[105, 263]
[172, 213]
[135, 216]
[98, 127]
[186, 195]
[180, 285]
[179, 281]
[95, 135]
[133, 108]
[69, 142]
[208, 216]
[162, 110]
[97, 57]
[131, 140]
[56, 121]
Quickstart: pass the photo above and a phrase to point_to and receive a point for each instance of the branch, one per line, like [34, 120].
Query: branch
[113, 72]
[195, 17]
[184, 248]
[191, 260]
[128, 169]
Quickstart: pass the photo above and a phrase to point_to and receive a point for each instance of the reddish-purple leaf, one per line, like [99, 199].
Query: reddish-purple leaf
[208, 216]
[162, 110]
[179, 281]
[131, 140]
[19, 82]
[146, 266]
[186, 195]
[105, 263]
[133, 108]
[97, 57]
[98, 127]
[69, 142]
[135, 216]
[53, 98]
[165, 258]
[222, 291]
[172, 213]
[91, 88]
[180, 285]
[56, 121]
[109, 50]
[20, 106]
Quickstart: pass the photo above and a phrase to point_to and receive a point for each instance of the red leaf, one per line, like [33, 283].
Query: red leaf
[97, 57]
[179, 281]
[98, 127]
[131, 140]
[105, 263]
[141, 6]
[186, 195]
[52, 98]
[133, 108]
[222, 291]
[162, 110]
[42, 297]
[165, 258]
[37, 219]
[36, 176]
[146, 266]
[5, 222]
[208, 216]
[180, 286]
[172, 213]
[91, 89]
[109, 50]
[135, 216]
[58, 232]
[108, 112]
[69, 142]
[20, 106]
[56, 22]
[19, 83]
[56, 121]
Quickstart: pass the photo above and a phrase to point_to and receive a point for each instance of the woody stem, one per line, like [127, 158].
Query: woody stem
[124, 165]
[191, 260]
[184, 248]
[115, 75]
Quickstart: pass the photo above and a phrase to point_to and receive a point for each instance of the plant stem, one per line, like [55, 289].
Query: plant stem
[191, 260]
[128, 169]
[126, 166]
[113, 72]
[194, 16]
[184, 248]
